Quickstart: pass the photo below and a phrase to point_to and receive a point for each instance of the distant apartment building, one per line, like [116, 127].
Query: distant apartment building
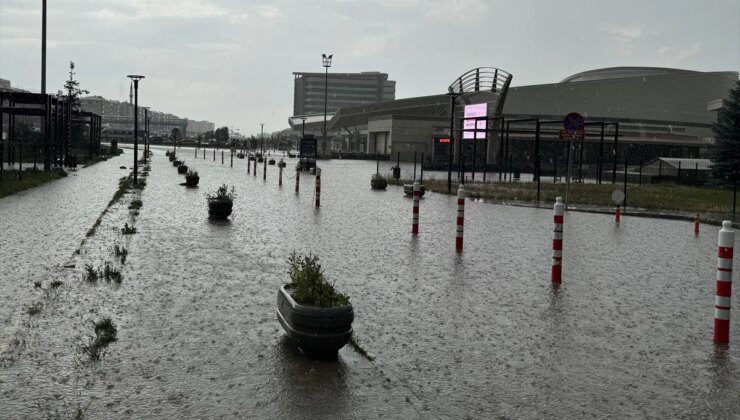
[194, 128]
[118, 118]
[6, 87]
[344, 89]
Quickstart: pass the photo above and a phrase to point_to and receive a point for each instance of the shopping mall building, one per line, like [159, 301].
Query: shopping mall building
[662, 112]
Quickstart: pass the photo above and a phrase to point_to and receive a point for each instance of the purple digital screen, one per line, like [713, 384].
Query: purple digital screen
[473, 111]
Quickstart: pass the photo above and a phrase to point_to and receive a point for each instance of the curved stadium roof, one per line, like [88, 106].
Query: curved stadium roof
[610, 73]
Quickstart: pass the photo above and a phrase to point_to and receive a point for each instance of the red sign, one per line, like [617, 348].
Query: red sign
[572, 135]
[446, 140]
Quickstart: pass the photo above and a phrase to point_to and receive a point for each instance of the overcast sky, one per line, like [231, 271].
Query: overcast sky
[231, 61]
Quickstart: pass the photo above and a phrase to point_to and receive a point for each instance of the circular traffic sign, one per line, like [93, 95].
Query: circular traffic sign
[618, 196]
[573, 122]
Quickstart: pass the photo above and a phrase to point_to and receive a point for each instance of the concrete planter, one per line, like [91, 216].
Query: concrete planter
[378, 183]
[240, 155]
[219, 209]
[182, 169]
[319, 331]
[271, 162]
[192, 180]
[408, 189]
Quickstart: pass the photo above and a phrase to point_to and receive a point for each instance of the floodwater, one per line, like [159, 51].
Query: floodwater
[481, 334]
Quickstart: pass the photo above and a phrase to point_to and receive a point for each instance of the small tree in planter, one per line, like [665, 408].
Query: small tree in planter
[182, 169]
[172, 156]
[378, 182]
[192, 178]
[176, 163]
[221, 204]
[313, 313]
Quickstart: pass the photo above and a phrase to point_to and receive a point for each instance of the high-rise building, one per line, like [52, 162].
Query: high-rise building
[344, 89]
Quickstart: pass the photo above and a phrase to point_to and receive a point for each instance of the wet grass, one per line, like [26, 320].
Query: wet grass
[105, 333]
[108, 273]
[112, 274]
[664, 197]
[90, 275]
[128, 230]
[120, 252]
[29, 179]
[34, 308]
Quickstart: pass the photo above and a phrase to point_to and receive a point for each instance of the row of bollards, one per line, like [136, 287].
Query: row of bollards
[725, 243]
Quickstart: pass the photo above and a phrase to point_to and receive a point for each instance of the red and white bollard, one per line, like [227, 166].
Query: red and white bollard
[617, 215]
[249, 165]
[460, 218]
[214, 155]
[222, 157]
[557, 241]
[264, 170]
[297, 178]
[723, 295]
[280, 176]
[697, 221]
[415, 209]
[318, 187]
[204, 154]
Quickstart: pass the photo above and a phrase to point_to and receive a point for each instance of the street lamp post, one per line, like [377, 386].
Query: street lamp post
[326, 62]
[262, 139]
[303, 129]
[146, 135]
[136, 79]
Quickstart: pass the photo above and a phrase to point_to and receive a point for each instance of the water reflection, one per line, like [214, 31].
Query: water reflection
[309, 385]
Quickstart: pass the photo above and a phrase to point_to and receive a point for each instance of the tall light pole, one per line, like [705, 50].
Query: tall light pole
[303, 129]
[136, 79]
[43, 47]
[146, 131]
[326, 62]
[262, 138]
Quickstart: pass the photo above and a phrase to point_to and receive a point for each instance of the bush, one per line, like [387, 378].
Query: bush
[223, 194]
[128, 230]
[308, 285]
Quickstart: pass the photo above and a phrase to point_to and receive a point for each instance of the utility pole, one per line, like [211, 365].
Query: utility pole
[136, 79]
[262, 139]
[326, 62]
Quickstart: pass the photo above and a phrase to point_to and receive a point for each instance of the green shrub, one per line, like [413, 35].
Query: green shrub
[128, 230]
[223, 194]
[308, 285]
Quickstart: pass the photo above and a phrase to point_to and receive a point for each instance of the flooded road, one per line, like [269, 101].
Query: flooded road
[477, 335]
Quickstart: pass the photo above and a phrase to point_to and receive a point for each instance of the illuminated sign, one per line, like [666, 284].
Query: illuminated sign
[473, 111]
[444, 140]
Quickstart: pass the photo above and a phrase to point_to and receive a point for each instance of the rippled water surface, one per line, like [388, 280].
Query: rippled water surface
[479, 334]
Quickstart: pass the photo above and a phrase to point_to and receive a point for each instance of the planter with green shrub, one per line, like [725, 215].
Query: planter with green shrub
[313, 313]
[192, 178]
[378, 182]
[220, 205]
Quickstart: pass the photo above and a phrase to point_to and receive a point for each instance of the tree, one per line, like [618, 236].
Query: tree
[176, 135]
[222, 135]
[72, 87]
[725, 153]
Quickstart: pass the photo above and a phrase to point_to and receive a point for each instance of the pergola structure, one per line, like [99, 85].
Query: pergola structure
[56, 122]
[485, 86]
